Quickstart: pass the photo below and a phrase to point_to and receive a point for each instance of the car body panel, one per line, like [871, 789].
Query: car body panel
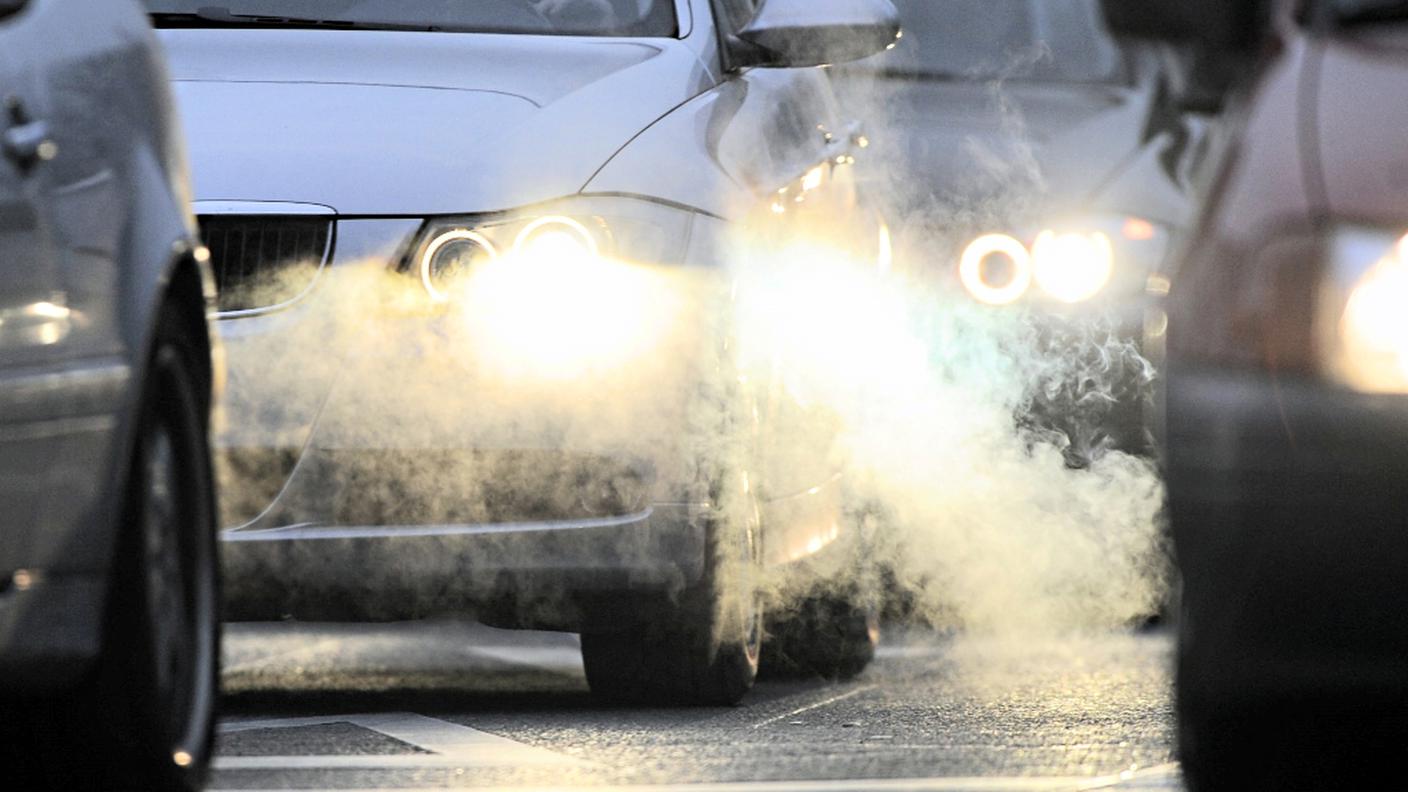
[1255, 197]
[1371, 189]
[109, 206]
[760, 130]
[460, 147]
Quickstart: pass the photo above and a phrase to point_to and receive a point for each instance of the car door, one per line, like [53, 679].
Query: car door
[28, 260]
[28, 281]
[70, 84]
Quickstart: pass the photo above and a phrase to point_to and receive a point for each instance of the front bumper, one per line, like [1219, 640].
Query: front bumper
[1291, 531]
[544, 575]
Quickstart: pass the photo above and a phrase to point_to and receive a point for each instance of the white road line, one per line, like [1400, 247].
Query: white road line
[810, 707]
[1164, 777]
[452, 739]
[450, 745]
[232, 726]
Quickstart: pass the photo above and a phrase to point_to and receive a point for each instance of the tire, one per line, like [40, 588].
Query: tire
[701, 649]
[832, 635]
[144, 718]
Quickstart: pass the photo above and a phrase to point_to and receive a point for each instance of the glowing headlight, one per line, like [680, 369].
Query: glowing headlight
[585, 285]
[555, 238]
[450, 257]
[1071, 260]
[1072, 267]
[1368, 336]
[996, 269]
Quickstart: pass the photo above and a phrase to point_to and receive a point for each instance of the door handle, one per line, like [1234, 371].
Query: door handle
[29, 144]
[26, 142]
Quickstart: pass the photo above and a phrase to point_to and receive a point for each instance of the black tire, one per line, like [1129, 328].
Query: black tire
[701, 649]
[144, 719]
[830, 634]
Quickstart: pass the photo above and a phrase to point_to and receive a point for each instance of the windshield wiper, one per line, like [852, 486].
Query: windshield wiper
[221, 17]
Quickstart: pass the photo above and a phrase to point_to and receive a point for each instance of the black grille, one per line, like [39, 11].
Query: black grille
[262, 261]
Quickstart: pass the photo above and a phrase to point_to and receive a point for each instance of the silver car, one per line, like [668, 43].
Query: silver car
[108, 572]
[471, 266]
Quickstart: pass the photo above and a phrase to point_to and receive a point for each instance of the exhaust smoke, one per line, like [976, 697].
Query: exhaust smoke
[970, 433]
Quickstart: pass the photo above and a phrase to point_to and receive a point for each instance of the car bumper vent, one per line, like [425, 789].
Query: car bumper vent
[263, 262]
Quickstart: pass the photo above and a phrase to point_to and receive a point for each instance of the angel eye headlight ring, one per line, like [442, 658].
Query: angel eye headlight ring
[972, 269]
[555, 236]
[436, 265]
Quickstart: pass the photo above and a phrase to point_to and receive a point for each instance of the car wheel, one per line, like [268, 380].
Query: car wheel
[144, 718]
[703, 648]
[829, 634]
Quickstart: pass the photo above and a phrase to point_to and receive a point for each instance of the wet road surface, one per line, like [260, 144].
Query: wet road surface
[446, 704]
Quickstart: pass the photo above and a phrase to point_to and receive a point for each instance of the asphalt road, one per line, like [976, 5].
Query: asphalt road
[443, 704]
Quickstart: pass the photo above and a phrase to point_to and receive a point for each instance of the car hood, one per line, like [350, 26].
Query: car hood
[1015, 148]
[407, 123]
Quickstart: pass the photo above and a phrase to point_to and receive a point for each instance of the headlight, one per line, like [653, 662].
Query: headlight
[1071, 262]
[451, 256]
[556, 237]
[621, 229]
[996, 269]
[575, 287]
[1362, 321]
[1072, 267]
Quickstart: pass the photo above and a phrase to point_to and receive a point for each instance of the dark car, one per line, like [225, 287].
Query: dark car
[109, 636]
[1288, 395]
[1050, 165]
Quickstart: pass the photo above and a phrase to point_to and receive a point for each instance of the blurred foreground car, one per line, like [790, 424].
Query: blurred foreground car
[1054, 167]
[108, 591]
[1288, 396]
[534, 416]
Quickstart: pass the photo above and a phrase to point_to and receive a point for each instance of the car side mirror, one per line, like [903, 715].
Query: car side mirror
[1217, 36]
[798, 33]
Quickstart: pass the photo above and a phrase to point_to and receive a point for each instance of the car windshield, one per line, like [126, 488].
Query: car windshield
[545, 17]
[1038, 40]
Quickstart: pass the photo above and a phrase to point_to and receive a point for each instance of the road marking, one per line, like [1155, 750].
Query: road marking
[233, 726]
[810, 707]
[449, 744]
[1162, 777]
